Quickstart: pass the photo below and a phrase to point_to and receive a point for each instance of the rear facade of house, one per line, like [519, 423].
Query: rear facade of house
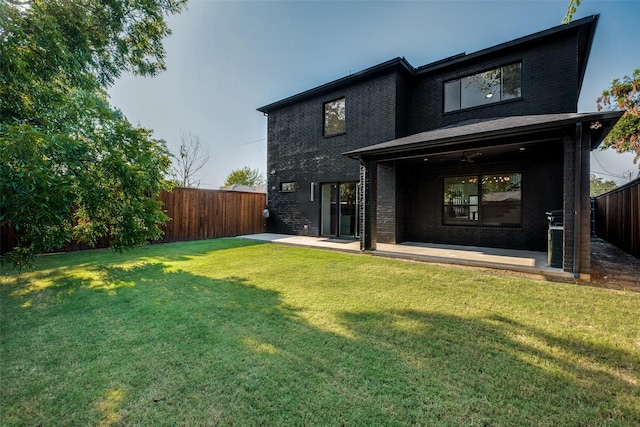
[470, 150]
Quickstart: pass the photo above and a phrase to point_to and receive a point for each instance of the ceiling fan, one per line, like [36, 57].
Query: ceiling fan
[468, 158]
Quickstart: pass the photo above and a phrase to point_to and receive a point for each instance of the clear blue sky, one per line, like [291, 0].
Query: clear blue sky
[227, 58]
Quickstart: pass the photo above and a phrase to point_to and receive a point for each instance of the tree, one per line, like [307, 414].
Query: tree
[192, 156]
[624, 94]
[571, 10]
[72, 166]
[600, 186]
[244, 176]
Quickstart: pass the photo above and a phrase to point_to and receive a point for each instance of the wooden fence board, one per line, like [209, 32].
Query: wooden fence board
[196, 214]
[618, 217]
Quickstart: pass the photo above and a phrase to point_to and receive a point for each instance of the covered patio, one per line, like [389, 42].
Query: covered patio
[544, 159]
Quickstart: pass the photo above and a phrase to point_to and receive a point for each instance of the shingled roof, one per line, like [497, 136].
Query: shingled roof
[476, 130]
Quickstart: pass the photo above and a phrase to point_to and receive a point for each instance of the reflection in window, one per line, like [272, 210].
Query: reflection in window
[288, 187]
[334, 117]
[483, 88]
[499, 205]
[502, 200]
[461, 200]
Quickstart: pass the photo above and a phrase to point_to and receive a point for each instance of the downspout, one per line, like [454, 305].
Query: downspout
[362, 213]
[577, 203]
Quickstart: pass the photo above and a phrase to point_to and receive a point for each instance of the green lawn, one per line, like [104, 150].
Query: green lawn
[233, 332]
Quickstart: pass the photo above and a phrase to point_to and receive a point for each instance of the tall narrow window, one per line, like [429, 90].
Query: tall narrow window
[461, 200]
[483, 88]
[334, 117]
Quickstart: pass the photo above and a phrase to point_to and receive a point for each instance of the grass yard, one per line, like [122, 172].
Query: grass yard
[234, 332]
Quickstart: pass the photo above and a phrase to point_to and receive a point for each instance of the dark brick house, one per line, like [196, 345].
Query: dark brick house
[470, 150]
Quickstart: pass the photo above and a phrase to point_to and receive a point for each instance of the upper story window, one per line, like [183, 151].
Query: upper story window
[483, 88]
[334, 115]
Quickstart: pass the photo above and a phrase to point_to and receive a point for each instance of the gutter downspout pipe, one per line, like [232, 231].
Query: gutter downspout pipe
[577, 203]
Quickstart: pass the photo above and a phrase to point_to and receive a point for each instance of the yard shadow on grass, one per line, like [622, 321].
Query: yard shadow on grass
[495, 367]
[179, 348]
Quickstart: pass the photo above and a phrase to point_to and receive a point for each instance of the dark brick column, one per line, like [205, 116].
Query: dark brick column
[569, 188]
[386, 209]
[585, 203]
[368, 204]
[577, 208]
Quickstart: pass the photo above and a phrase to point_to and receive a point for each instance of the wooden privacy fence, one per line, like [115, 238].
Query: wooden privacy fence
[196, 214]
[208, 214]
[617, 217]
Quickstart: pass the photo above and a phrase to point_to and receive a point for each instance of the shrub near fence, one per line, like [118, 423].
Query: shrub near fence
[617, 217]
[196, 214]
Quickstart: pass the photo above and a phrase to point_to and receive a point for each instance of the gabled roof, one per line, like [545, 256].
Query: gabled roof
[585, 26]
[396, 63]
[485, 129]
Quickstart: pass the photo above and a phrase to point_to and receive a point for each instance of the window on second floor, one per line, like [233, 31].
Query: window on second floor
[334, 117]
[483, 88]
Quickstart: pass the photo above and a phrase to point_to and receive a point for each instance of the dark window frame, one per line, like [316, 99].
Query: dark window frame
[471, 213]
[324, 118]
[458, 106]
[292, 184]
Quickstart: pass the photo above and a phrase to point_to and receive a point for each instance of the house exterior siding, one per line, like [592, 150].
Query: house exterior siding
[401, 194]
[542, 191]
[549, 85]
[298, 151]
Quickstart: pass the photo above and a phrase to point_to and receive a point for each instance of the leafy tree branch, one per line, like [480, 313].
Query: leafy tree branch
[72, 166]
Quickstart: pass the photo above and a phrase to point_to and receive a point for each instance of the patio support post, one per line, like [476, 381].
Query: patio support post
[368, 204]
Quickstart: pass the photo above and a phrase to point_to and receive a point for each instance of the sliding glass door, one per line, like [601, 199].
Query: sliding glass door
[339, 214]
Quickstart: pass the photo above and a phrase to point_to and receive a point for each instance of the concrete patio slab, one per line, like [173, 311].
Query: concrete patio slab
[529, 262]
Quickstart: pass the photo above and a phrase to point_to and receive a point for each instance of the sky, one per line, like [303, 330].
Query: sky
[225, 59]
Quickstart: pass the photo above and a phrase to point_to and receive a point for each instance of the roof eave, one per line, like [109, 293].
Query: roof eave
[396, 63]
[607, 121]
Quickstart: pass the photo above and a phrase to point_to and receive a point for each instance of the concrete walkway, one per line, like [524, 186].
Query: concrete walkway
[529, 262]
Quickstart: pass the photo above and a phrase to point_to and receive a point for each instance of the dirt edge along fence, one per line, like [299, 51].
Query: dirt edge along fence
[617, 217]
[196, 214]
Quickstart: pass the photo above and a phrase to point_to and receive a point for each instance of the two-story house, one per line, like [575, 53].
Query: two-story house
[470, 150]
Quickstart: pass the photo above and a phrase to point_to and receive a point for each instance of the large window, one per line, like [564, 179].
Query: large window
[488, 200]
[334, 117]
[483, 88]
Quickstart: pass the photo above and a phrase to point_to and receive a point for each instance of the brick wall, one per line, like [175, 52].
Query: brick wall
[542, 190]
[549, 76]
[297, 150]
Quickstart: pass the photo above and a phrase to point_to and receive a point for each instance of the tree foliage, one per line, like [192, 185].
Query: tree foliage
[244, 176]
[599, 186]
[571, 10]
[191, 157]
[71, 166]
[624, 94]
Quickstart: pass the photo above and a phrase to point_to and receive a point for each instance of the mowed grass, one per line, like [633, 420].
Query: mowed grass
[235, 332]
